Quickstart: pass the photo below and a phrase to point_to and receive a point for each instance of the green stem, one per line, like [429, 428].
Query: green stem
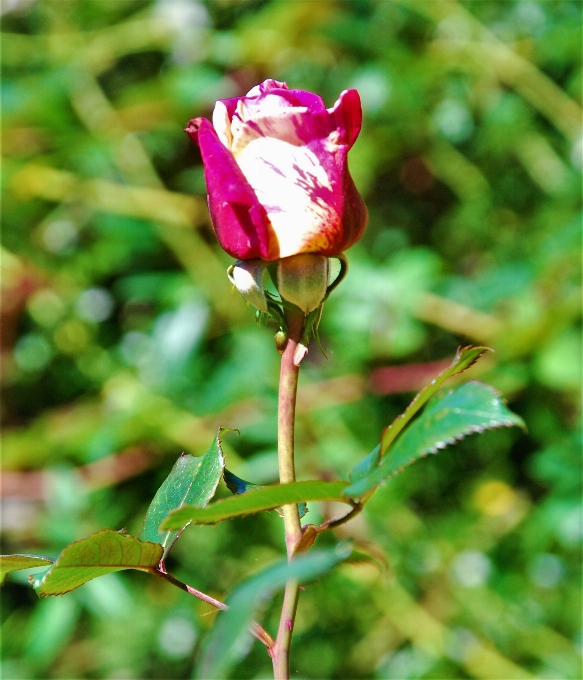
[288, 385]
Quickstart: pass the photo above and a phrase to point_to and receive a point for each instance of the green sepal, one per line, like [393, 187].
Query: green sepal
[302, 280]
[247, 277]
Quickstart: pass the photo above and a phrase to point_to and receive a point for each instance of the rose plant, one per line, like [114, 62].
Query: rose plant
[282, 203]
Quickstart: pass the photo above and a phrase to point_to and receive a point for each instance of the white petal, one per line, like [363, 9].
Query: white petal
[222, 124]
[280, 124]
[238, 121]
[269, 104]
[294, 189]
[265, 86]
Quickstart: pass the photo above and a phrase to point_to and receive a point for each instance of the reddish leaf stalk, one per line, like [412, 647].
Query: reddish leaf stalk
[258, 631]
[288, 385]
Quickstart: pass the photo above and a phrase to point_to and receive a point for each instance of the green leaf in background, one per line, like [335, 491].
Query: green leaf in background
[236, 485]
[193, 482]
[472, 407]
[51, 627]
[267, 498]
[465, 358]
[368, 552]
[97, 555]
[229, 638]
[10, 563]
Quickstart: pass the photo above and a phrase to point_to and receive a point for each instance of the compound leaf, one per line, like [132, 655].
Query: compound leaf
[236, 485]
[363, 468]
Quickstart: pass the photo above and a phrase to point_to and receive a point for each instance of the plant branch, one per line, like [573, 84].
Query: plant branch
[189, 589]
[333, 523]
[288, 385]
[258, 631]
[311, 531]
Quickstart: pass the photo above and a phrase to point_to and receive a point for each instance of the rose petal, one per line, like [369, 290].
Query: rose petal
[295, 190]
[296, 161]
[240, 221]
[347, 113]
[308, 99]
[255, 99]
[282, 124]
[222, 124]
[266, 86]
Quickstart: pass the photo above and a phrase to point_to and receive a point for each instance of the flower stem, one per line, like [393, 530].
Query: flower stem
[288, 385]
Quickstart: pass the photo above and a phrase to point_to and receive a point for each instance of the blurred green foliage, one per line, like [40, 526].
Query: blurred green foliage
[123, 345]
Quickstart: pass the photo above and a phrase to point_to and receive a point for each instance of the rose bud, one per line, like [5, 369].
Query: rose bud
[275, 164]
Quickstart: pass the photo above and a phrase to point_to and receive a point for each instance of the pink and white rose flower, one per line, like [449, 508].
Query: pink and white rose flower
[276, 169]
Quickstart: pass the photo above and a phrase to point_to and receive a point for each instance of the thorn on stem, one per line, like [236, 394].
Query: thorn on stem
[300, 353]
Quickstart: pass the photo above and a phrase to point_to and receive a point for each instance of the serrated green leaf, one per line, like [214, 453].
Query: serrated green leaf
[193, 482]
[465, 358]
[267, 498]
[472, 407]
[228, 639]
[9, 563]
[236, 485]
[97, 555]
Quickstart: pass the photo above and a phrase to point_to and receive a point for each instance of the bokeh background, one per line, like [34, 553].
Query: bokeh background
[123, 344]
